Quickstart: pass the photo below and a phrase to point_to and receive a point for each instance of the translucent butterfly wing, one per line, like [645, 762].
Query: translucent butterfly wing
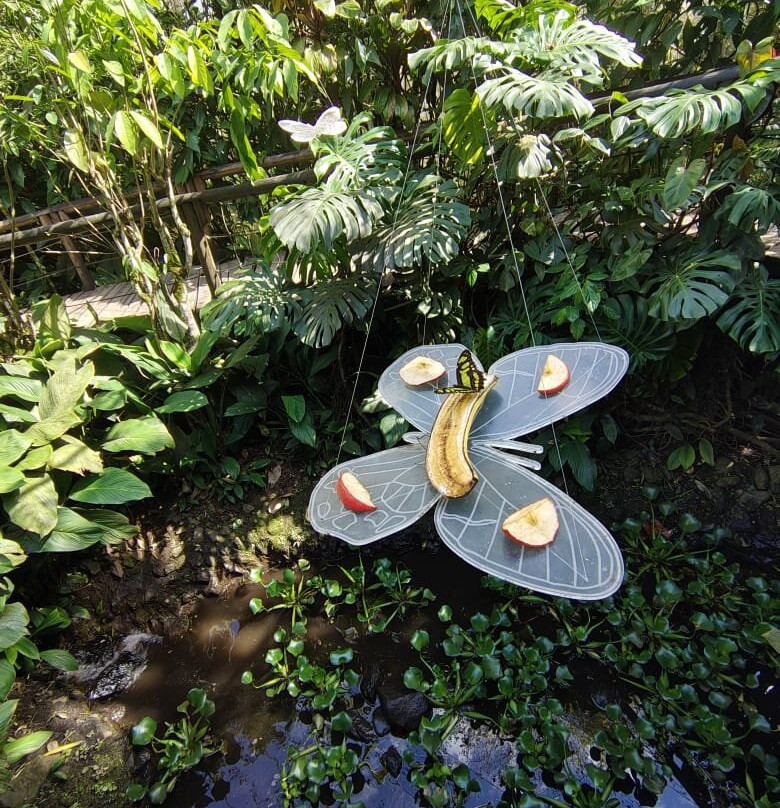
[399, 488]
[298, 132]
[514, 407]
[330, 123]
[583, 562]
[419, 405]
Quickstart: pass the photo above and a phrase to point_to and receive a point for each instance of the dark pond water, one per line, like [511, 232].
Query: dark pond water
[226, 639]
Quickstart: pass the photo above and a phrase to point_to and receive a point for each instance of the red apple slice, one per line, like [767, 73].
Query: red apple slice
[353, 494]
[421, 370]
[535, 525]
[555, 376]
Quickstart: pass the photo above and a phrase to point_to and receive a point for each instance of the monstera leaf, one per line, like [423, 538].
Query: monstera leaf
[502, 16]
[574, 48]
[527, 157]
[319, 216]
[752, 318]
[430, 224]
[683, 111]
[629, 325]
[690, 289]
[330, 304]
[359, 159]
[748, 207]
[544, 96]
[463, 127]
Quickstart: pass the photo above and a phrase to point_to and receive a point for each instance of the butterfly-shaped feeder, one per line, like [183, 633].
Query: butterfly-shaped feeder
[487, 500]
[329, 123]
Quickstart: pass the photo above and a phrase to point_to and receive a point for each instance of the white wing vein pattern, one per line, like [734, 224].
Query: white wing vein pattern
[595, 369]
[399, 488]
[584, 561]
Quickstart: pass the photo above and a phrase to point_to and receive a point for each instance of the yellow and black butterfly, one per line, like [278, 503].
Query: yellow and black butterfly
[470, 378]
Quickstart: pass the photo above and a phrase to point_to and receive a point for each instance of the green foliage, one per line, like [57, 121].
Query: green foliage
[181, 747]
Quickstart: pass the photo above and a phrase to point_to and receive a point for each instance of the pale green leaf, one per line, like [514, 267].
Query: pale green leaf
[80, 61]
[33, 507]
[76, 150]
[115, 527]
[64, 389]
[50, 429]
[76, 457]
[126, 130]
[18, 387]
[72, 532]
[13, 624]
[13, 445]
[7, 679]
[145, 435]
[148, 127]
[463, 126]
[113, 487]
[35, 458]
[11, 479]
[18, 748]
[11, 556]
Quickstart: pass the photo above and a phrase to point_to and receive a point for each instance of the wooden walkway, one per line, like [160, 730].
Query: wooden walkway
[106, 303]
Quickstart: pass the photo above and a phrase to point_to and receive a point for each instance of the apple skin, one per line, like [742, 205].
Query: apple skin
[535, 525]
[555, 376]
[353, 494]
[421, 370]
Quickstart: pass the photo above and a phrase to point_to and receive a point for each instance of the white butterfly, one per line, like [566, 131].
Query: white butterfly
[329, 123]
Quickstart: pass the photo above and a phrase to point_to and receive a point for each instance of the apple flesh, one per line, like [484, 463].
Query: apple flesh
[353, 494]
[535, 525]
[555, 376]
[421, 370]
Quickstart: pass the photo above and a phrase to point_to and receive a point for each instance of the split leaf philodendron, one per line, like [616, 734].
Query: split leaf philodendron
[583, 562]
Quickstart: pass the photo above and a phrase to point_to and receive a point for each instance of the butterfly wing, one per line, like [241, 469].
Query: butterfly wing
[399, 488]
[514, 407]
[583, 562]
[330, 123]
[470, 377]
[419, 405]
[298, 132]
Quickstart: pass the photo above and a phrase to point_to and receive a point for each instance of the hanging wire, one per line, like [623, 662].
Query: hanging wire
[556, 442]
[396, 213]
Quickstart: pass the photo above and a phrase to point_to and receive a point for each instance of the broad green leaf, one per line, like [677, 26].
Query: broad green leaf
[115, 527]
[115, 70]
[183, 401]
[243, 146]
[295, 407]
[33, 507]
[681, 178]
[76, 150]
[35, 459]
[143, 732]
[64, 390]
[463, 126]
[11, 555]
[534, 96]
[18, 387]
[7, 679]
[752, 316]
[80, 61]
[50, 429]
[113, 487]
[689, 291]
[13, 624]
[13, 445]
[304, 432]
[126, 130]
[332, 304]
[318, 217]
[60, 659]
[429, 224]
[526, 157]
[51, 319]
[148, 127]
[18, 748]
[145, 435]
[72, 533]
[76, 457]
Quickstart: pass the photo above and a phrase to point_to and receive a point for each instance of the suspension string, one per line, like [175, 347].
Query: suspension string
[380, 274]
[568, 258]
[556, 443]
[499, 183]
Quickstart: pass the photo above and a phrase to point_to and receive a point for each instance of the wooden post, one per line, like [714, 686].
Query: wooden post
[73, 252]
[198, 218]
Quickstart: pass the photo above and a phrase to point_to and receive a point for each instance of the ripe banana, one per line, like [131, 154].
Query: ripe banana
[447, 462]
